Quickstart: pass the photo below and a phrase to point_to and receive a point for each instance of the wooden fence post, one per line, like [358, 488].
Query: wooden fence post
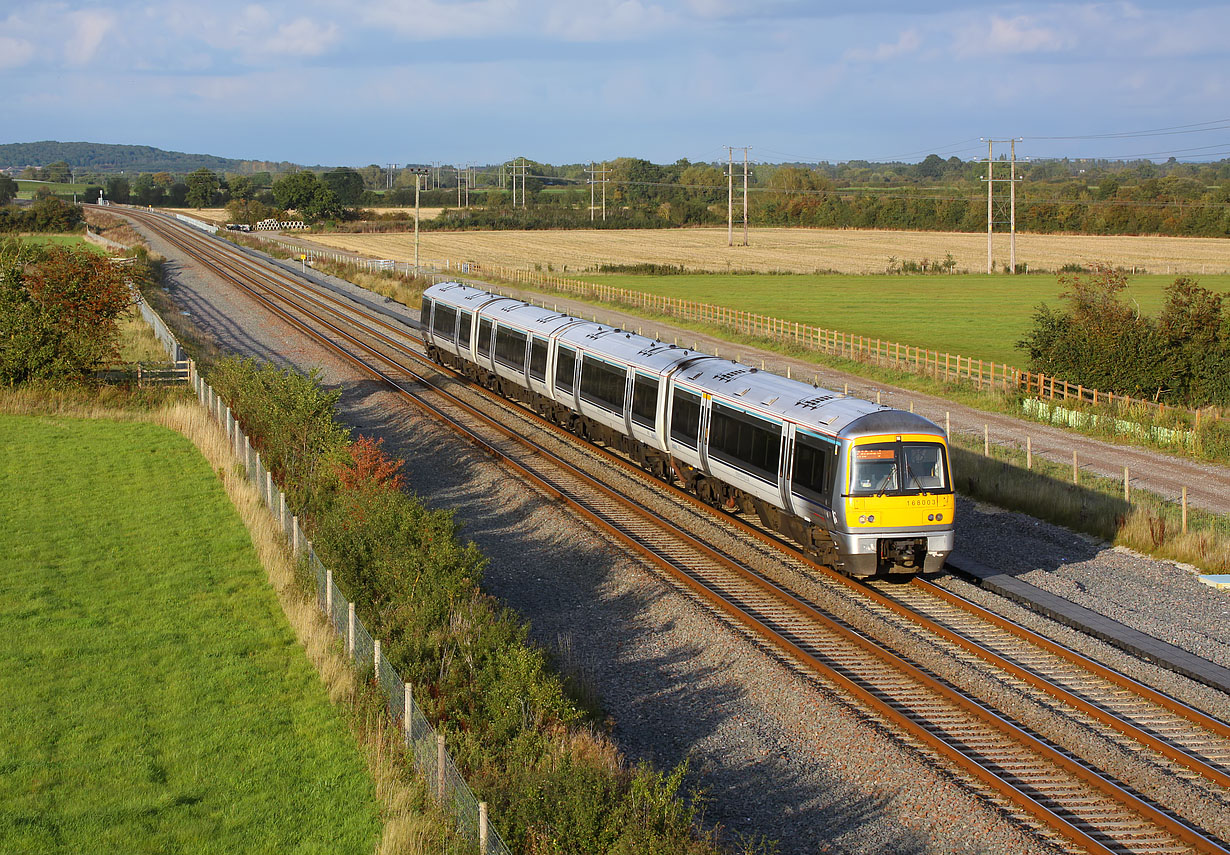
[948, 423]
[350, 621]
[329, 593]
[482, 828]
[1075, 471]
[1185, 510]
[1029, 452]
[986, 440]
[440, 755]
[376, 658]
[1127, 489]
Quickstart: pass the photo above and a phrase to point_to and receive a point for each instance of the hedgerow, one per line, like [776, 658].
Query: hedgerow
[554, 781]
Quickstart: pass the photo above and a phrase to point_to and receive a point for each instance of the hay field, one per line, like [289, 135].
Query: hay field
[212, 215]
[787, 250]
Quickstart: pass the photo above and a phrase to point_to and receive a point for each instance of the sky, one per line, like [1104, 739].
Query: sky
[353, 82]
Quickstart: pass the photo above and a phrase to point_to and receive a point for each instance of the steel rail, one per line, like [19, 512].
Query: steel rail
[868, 647]
[1169, 747]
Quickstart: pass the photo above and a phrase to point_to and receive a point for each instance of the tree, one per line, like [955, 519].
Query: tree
[202, 185]
[58, 172]
[296, 190]
[117, 188]
[323, 204]
[8, 189]
[58, 312]
[346, 184]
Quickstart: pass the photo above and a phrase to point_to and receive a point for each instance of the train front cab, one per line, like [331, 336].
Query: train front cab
[897, 505]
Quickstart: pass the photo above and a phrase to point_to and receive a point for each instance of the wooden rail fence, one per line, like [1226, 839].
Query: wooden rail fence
[948, 367]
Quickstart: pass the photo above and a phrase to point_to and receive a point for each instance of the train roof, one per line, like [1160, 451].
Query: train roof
[763, 392]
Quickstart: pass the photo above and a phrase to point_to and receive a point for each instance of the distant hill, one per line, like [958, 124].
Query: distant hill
[103, 157]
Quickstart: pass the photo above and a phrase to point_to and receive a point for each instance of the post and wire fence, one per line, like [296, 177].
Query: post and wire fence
[424, 744]
[985, 375]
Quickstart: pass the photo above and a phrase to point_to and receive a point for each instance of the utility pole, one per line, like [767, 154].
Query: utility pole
[1011, 181]
[419, 172]
[730, 194]
[594, 172]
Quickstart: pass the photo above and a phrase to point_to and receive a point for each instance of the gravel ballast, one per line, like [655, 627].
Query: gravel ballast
[782, 758]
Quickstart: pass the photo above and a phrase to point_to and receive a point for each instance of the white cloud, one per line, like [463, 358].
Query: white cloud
[1020, 35]
[15, 53]
[908, 42]
[596, 22]
[426, 20]
[89, 30]
[303, 37]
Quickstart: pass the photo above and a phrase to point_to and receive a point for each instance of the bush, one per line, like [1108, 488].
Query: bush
[59, 312]
[524, 744]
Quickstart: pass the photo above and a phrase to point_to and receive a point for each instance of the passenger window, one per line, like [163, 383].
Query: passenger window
[685, 418]
[565, 368]
[510, 347]
[425, 312]
[745, 441]
[444, 322]
[538, 358]
[484, 337]
[463, 331]
[644, 400]
[603, 384]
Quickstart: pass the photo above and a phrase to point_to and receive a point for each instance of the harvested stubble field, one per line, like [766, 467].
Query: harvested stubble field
[212, 215]
[788, 250]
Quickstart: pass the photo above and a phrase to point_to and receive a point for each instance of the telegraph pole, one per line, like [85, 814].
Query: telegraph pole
[730, 194]
[419, 172]
[594, 172]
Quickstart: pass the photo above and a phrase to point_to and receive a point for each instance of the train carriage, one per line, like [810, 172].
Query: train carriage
[866, 488]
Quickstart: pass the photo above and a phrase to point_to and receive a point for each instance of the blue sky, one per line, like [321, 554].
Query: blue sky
[383, 81]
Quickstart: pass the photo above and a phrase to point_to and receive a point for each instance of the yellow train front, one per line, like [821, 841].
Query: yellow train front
[894, 504]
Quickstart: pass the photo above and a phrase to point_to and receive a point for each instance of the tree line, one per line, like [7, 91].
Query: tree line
[1180, 357]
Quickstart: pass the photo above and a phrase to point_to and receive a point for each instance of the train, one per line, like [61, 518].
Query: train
[863, 488]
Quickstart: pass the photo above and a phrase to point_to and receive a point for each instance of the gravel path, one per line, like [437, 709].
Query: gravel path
[781, 758]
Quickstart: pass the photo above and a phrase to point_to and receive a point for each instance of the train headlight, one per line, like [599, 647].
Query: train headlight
[930, 517]
[939, 517]
[871, 518]
[862, 520]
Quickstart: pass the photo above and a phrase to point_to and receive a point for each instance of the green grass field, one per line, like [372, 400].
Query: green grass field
[26, 187]
[64, 240]
[975, 315]
[154, 698]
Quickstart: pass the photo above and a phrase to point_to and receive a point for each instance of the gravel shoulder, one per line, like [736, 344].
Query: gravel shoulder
[780, 756]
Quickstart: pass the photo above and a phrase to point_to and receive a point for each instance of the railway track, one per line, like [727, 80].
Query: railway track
[1046, 785]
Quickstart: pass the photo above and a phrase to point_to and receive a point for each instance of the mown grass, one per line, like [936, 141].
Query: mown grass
[155, 698]
[75, 241]
[974, 315]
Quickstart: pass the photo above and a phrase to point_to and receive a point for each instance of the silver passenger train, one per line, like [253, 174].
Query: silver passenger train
[865, 488]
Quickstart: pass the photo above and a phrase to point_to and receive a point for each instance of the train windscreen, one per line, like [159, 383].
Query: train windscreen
[898, 468]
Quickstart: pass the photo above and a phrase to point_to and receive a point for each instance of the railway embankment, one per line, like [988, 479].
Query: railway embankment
[599, 621]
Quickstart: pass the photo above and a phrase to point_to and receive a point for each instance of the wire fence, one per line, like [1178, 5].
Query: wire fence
[985, 375]
[424, 744]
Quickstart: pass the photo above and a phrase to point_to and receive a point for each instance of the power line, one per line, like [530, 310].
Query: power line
[1196, 128]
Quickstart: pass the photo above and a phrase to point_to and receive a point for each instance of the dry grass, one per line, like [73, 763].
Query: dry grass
[788, 250]
[424, 213]
[409, 824]
[213, 215]
[113, 228]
